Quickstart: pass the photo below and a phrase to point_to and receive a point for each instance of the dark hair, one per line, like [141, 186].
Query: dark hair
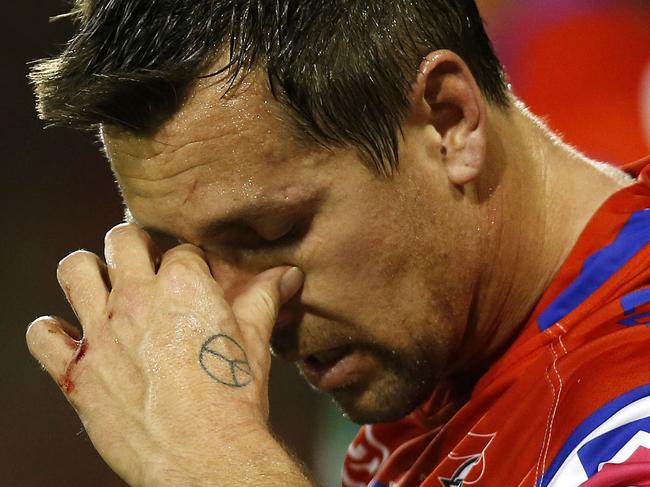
[345, 67]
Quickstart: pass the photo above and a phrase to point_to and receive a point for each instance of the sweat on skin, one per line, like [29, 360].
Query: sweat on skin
[417, 278]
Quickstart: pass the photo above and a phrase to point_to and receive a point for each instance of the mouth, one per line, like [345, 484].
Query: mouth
[325, 359]
[335, 368]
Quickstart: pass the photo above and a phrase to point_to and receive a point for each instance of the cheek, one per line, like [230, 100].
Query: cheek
[394, 285]
[370, 280]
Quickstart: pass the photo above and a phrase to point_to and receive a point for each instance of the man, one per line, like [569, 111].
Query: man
[353, 183]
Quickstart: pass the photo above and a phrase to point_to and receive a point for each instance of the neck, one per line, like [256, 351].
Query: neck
[535, 199]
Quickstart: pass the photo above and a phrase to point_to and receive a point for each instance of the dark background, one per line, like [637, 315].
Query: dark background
[584, 64]
[59, 196]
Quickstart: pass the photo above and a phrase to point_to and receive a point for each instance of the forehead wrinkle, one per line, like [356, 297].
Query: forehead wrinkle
[248, 118]
[167, 149]
[229, 123]
[133, 157]
[163, 177]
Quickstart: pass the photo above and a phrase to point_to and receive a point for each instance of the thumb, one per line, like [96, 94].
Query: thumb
[256, 308]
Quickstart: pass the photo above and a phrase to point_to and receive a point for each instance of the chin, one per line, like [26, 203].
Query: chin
[387, 399]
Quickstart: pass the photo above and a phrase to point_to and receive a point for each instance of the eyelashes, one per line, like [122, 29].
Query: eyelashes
[241, 235]
[250, 238]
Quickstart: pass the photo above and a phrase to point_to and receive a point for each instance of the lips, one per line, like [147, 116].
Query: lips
[337, 368]
[328, 363]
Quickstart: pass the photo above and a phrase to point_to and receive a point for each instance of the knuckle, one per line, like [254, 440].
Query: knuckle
[179, 269]
[184, 258]
[37, 328]
[120, 231]
[262, 307]
[40, 321]
[267, 302]
[74, 261]
[187, 250]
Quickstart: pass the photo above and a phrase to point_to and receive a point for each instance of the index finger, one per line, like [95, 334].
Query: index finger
[130, 251]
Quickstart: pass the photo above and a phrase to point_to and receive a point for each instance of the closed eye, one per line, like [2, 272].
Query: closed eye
[244, 237]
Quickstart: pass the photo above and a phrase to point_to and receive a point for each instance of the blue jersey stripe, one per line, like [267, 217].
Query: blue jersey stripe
[590, 424]
[599, 267]
[633, 320]
[632, 300]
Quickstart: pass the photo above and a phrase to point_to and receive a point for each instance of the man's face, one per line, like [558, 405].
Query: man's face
[389, 263]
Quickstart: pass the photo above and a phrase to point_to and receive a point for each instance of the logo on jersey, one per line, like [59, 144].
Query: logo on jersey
[364, 459]
[616, 434]
[469, 460]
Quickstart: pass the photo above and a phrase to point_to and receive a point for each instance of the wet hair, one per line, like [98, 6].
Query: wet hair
[343, 67]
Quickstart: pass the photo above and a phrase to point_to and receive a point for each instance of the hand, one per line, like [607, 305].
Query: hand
[167, 373]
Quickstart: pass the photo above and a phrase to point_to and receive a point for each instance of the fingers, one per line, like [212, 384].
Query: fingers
[82, 276]
[130, 251]
[257, 307]
[185, 256]
[51, 345]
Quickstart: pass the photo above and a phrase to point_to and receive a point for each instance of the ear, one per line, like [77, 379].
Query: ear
[446, 93]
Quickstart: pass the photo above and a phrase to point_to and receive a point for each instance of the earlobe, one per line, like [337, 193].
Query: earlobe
[466, 165]
[456, 110]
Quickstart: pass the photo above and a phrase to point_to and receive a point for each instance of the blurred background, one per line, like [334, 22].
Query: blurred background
[582, 64]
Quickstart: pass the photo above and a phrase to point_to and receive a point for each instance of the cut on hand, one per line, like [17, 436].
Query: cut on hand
[164, 359]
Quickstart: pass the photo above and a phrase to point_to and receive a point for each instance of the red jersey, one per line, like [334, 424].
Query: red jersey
[568, 404]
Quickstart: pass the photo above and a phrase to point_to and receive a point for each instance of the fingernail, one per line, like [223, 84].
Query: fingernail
[290, 283]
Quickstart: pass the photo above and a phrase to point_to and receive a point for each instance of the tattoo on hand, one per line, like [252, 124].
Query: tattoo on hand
[223, 359]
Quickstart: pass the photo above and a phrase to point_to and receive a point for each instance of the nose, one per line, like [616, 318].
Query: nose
[233, 277]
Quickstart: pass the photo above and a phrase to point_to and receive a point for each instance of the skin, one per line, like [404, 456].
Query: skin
[424, 276]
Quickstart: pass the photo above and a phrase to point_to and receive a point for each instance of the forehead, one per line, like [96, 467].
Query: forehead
[221, 152]
[213, 125]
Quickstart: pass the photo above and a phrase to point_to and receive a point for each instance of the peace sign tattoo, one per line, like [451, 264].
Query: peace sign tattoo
[223, 359]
